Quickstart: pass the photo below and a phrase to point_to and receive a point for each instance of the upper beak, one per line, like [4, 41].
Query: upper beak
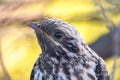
[34, 25]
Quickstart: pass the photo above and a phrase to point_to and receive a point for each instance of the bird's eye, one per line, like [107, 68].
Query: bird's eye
[58, 34]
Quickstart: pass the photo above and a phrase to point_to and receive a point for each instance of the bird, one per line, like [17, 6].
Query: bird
[65, 55]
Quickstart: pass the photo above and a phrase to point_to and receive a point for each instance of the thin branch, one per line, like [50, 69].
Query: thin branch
[115, 37]
[7, 77]
[110, 24]
[8, 18]
[116, 3]
[116, 50]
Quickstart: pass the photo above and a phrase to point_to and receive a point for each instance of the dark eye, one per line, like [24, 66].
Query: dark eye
[58, 34]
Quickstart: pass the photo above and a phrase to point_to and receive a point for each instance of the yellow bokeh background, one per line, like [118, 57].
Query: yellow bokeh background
[19, 46]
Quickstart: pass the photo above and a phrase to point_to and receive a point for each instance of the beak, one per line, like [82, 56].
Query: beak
[34, 25]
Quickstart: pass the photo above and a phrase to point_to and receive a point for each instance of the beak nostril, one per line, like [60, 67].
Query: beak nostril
[34, 25]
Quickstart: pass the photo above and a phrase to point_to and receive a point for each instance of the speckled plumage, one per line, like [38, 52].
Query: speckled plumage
[65, 55]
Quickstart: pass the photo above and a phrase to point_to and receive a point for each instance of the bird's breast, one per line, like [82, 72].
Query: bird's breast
[74, 69]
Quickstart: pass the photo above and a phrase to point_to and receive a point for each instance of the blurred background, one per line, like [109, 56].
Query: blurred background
[97, 20]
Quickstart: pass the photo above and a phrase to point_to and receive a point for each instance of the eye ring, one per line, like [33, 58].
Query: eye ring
[58, 34]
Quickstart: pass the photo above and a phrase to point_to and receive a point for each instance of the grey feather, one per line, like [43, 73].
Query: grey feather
[65, 55]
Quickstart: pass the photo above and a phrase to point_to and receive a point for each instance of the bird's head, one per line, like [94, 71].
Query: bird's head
[54, 34]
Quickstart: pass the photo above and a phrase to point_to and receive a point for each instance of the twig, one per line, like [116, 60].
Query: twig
[8, 18]
[116, 50]
[115, 36]
[115, 3]
[110, 24]
[7, 77]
